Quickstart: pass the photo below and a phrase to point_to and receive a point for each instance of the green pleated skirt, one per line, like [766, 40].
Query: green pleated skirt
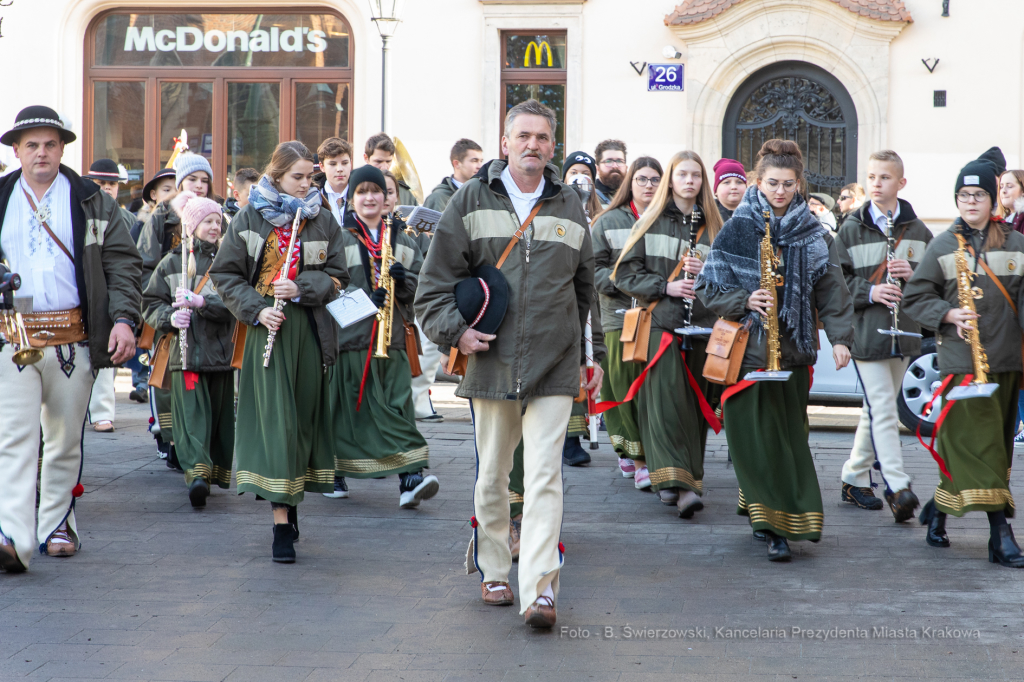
[767, 429]
[380, 438]
[622, 422]
[976, 443]
[283, 438]
[204, 425]
[672, 427]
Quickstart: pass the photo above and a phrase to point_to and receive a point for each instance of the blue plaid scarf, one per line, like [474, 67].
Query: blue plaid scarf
[279, 209]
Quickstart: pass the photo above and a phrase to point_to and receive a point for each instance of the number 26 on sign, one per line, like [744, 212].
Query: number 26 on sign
[665, 77]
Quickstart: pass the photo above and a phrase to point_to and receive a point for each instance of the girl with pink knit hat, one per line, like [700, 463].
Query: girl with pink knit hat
[180, 297]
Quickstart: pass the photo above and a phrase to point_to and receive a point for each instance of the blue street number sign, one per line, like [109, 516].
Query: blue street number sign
[664, 77]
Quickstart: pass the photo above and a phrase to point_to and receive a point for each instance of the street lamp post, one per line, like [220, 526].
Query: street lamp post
[385, 15]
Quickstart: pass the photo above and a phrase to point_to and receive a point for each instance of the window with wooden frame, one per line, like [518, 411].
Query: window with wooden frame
[533, 67]
[237, 84]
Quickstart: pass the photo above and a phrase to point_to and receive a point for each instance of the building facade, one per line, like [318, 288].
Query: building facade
[842, 77]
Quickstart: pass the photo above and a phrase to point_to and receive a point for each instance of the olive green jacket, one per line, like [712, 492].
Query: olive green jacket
[862, 248]
[830, 298]
[156, 237]
[645, 270]
[550, 272]
[933, 291]
[321, 273]
[356, 337]
[610, 233]
[107, 264]
[211, 327]
[440, 195]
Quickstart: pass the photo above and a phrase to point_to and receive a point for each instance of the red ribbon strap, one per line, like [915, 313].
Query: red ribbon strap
[366, 367]
[666, 341]
[930, 447]
[191, 379]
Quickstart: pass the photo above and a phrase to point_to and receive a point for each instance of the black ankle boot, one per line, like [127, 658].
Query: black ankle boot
[778, 548]
[1003, 549]
[293, 519]
[573, 453]
[284, 543]
[936, 522]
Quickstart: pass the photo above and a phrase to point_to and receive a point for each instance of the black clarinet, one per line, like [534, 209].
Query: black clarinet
[694, 221]
[890, 255]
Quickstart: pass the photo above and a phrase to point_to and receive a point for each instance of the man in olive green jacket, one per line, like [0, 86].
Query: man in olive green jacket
[863, 252]
[69, 243]
[522, 379]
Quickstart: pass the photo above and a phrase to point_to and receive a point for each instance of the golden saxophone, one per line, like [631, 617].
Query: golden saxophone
[769, 280]
[385, 314]
[279, 302]
[967, 295]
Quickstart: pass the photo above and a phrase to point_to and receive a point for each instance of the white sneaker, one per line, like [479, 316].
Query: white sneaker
[424, 491]
[627, 467]
[642, 479]
[340, 488]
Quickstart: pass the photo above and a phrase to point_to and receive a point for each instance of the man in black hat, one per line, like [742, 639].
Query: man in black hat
[522, 378]
[80, 279]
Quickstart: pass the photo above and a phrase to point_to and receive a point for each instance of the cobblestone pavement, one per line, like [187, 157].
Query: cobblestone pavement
[162, 592]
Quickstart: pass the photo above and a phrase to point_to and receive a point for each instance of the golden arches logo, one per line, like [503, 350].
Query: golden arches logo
[538, 51]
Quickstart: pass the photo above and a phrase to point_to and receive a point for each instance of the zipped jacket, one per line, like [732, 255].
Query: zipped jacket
[550, 272]
[862, 249]
[159, 232]
[108, 269]
[933, 291]
[440, 195]
[645, 270]
[357, 337]
[610, 233]
[211, 327]
[321, 274]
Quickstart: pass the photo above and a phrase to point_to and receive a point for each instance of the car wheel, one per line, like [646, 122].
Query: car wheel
[919, 383]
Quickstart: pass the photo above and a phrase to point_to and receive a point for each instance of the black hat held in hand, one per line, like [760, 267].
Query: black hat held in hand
[483, 299]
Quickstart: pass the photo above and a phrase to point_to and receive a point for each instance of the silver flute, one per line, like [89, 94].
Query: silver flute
[279, 302]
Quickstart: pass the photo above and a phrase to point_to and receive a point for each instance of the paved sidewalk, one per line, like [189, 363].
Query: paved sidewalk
[162, 592]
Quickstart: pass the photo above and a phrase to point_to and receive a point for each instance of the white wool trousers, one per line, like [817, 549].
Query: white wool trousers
[499, 424]
[879, 427]
[101, 404]
[429, 362]
[52, 395]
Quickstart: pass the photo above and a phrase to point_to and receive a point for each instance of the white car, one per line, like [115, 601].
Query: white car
[919, 382]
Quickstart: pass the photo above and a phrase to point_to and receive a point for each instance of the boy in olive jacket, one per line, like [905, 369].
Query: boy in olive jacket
[863, 249]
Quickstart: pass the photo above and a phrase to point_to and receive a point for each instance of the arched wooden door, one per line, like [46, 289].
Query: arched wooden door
[796, 101]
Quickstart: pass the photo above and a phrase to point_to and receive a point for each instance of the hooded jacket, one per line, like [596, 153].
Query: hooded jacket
[321, 273]
[211, 327]
[862, 248]
[645, 270]
[108, 269]
[357, 337]
[932, 291]
[441, 195]
[550, 272]
[610, 232]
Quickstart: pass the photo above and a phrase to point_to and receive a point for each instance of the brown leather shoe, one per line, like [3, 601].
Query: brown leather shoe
[902, 503]
[541, 613]
[61, 543]
[515, 527]
[9, 560]
[502, 597]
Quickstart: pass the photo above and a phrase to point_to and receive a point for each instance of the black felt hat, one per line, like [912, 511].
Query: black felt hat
[104, 169]
[147, 190]
[483, 299]
[37, 117]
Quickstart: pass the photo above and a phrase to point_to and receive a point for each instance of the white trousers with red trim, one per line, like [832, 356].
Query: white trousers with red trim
[879, 429]
[101, 404]
[41, 397]
[499, 424]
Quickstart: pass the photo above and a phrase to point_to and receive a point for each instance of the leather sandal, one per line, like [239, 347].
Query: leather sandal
[497, 597]
[541, 613]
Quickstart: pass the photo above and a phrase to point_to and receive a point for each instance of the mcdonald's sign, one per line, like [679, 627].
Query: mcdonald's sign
[538, 51]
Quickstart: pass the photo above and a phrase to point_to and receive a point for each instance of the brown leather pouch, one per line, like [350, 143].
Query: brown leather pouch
[147, 337]
[726, 346]
[159, 373]
[636, 334]
[238, 338]
[55, 328]
[412, 349]
[457, 363]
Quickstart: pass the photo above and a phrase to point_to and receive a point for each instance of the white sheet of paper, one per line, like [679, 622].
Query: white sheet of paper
[351, 307]
[420, 218]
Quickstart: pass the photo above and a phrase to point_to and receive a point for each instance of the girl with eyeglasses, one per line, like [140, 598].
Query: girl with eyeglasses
[611, 231]
[673, 415]
[974, 443]
[766, 421]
